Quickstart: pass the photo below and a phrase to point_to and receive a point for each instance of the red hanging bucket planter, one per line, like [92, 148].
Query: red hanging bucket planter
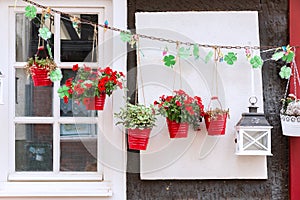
[215, 125]
[40, 77]
[177, 130]
[95, 103]
[138, 138]
[215, 120]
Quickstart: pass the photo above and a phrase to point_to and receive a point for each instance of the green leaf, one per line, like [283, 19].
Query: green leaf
[56, 75]
[256, 62]
[277, 56]
[49, 51]
[285, 72]
[169, 60]
[30, 12]
[208, 57]
[125, 37]
[63, 91]
[45, 33]
[196, 51]
[184, 53]
[288, 58]
[230, 58]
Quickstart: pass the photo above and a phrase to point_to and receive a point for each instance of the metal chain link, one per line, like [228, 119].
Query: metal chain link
[157, 38]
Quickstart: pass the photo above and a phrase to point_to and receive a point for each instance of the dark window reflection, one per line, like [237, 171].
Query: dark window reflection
[77, 43]
[27, 36]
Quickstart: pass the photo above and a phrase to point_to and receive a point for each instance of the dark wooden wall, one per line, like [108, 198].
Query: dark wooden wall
[273, 25]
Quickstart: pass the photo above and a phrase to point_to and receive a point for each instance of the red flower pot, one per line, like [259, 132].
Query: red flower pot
[177, 130]
[138, 138]
[217, 125]
[95, 103]
[40, 77]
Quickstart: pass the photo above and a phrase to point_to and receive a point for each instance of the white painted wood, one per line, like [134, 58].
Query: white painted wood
[200, 156]
[111, 168]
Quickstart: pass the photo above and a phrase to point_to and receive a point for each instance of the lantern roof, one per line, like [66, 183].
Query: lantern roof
[253, 119]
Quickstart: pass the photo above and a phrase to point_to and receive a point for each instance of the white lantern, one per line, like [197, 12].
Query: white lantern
[253, 133]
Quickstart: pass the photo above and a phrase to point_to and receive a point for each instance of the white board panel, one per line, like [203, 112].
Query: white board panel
[199, 156]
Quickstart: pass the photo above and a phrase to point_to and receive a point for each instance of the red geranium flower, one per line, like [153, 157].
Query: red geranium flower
[169, 98]
[66, 99]
[120, 85]
[75, 67]
[87, 69]
[69, 82]
[88, 85]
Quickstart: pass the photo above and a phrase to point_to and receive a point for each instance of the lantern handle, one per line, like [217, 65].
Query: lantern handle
[253, 100]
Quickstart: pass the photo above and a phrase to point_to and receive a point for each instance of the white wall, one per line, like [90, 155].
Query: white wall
[200, 156]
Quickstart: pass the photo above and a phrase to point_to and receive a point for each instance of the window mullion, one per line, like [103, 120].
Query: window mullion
[56, 100]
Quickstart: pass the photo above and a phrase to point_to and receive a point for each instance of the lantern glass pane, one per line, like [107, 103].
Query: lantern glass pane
[255, 140]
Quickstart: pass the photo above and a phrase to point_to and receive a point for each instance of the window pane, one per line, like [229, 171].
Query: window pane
[77, 43]
[34, 147]
[27, 36]
[73, 109]
[30, 100]
[78, 147]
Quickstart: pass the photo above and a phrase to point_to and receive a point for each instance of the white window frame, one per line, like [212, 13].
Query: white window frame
[56, 120]
[108, 180]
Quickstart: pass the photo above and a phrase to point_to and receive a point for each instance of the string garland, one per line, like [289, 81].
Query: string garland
[284, 53]
[105, 26]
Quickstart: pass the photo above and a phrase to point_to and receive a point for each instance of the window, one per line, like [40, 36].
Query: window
[50, 148]
[51, 136]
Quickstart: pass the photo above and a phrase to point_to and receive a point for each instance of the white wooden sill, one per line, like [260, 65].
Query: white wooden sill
[55, 189]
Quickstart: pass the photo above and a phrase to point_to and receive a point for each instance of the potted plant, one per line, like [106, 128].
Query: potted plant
[290, 116]
[180, 110]
[138, 120]
[43, 71]
[215, 118]
[91, 86]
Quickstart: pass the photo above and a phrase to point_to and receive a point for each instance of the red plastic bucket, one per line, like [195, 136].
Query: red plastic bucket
[40, 77]
[216, 125]
[95, 103]
[177, 130]
[138, 138]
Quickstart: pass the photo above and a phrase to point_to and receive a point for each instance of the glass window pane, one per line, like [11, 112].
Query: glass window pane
[34, 147]
[30, 100]
[78, 147]
[77, 42]
[27, 36]
[73, 109]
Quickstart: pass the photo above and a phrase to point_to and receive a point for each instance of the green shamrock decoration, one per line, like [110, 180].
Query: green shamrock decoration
[208, 57]
[49, 51]
[125, 37]
[30, 12]
[56, 75]
[196, 51]
[45, 33]
[256, 62]
[169, 60]
[285, 72]
[63, 91]
[277, 56]
[230, 58]
[289, 57]
[184, 53]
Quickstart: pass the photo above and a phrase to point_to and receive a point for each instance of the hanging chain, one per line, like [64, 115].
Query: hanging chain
[157, 38]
